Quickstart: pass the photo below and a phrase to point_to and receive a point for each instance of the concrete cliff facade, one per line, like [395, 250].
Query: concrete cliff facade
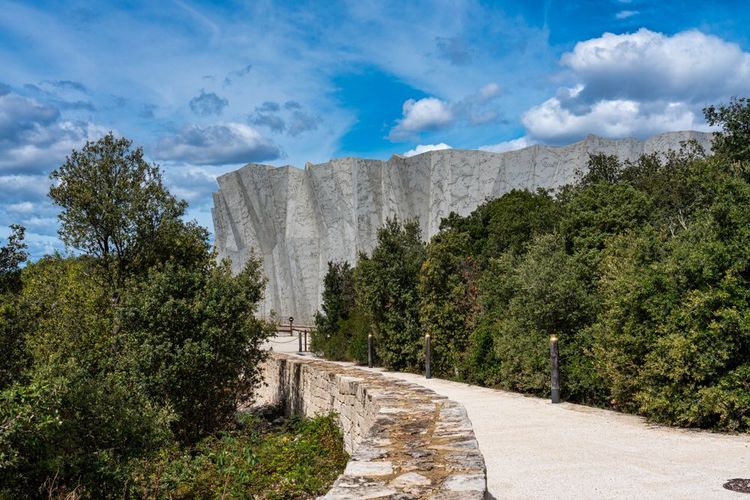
[296, 220]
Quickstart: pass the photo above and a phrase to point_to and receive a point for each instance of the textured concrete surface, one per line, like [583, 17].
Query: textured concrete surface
[405, 441]
[297, 220]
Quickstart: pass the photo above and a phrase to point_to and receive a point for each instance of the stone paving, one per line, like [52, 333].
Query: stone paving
[405, 441]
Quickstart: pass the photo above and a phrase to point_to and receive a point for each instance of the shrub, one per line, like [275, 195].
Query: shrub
[196, 341]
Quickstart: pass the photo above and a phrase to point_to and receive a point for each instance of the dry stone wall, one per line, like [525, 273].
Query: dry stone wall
[405, 441]
[296, 220]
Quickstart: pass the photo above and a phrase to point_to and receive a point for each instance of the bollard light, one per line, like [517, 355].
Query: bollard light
[554, 355]
[369, 350]
[427, 357]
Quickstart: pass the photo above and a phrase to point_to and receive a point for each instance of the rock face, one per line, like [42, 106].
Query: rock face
[297, 220]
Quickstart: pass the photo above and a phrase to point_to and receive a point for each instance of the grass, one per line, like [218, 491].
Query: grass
[290, 458]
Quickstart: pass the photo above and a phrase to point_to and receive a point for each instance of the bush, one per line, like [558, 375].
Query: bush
[196, 341]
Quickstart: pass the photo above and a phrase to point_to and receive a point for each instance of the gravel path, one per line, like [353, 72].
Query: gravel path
[534, 449]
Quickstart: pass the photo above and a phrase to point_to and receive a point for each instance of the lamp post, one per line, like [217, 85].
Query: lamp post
[427, 356]
[291, 332]
[369, 350]
[554, 355]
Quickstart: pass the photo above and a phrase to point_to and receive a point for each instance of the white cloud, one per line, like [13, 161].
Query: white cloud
[552, 122]
[429, 113]
[512, 145]
[640, 84]
[647, 65]
[217, 145]
[18, 188]
[23, 207]
[624, 14]
[34, 139]
[44, 148]
[424, 148]
[191, 183]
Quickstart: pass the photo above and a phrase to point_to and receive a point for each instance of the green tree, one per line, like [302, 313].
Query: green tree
[386, 283]
[196, 341]
[337, 304]
[116, 208]
[734, 118]
[79, 413]
[12, 256]
[449, 306]
[13, 354]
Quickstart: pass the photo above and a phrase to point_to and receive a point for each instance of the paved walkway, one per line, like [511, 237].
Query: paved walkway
[534, 449]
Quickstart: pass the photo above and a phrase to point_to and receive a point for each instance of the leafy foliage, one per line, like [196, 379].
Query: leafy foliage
[386, 287]
[116, 208]
[642, 268]
[142, 342]
[196, 341]
[297, 459]
[12, 256]
[448, 308]
[734, 118]
[330, 337]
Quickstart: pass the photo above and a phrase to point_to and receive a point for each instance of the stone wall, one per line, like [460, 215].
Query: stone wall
[405, 441]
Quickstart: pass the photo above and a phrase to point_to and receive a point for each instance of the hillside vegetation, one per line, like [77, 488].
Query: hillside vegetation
[122, 367]
[641, 268]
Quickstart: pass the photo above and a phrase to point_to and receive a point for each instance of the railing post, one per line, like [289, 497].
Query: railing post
[305, 340]
[554, 355]
[427, 356]
[369, 350]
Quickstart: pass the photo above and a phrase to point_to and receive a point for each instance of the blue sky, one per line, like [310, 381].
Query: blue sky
[206, 87]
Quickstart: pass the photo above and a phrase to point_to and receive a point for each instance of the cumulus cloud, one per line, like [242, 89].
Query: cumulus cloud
[19, 114]
[429, 113]
[302, 122]
[217, 145]
[552, 122]
[272, 121]
[268, 107]
[61, 94]
[236, 74]
[207, 104]
[640, 84]
[20, 188]
[512, 145]
[424, 148]
[688, 66]
[34, 138]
